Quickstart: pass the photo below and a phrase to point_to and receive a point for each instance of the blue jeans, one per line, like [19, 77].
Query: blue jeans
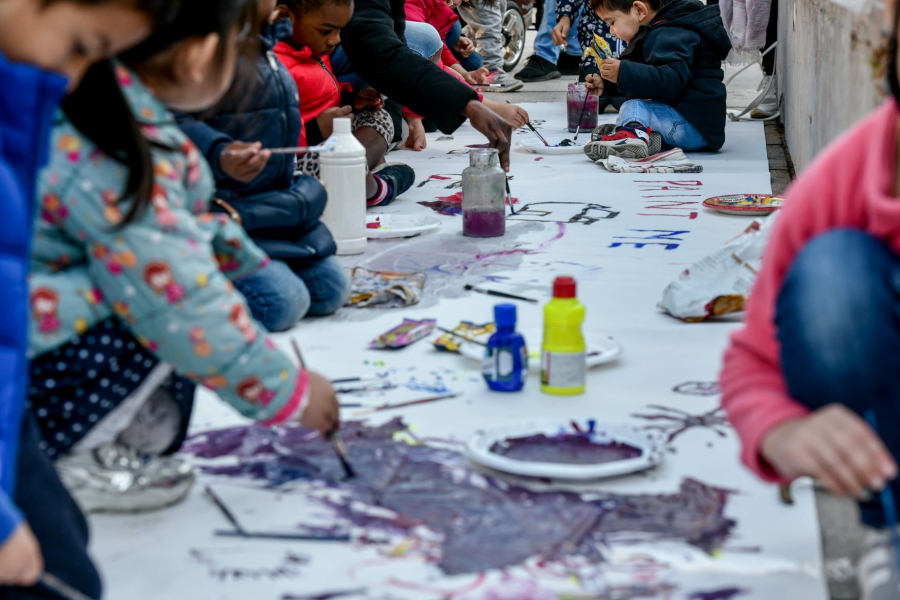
[474, 61]
[423, 39]
[665, 120]
[543, 43]
[279, 297]
[838, 321]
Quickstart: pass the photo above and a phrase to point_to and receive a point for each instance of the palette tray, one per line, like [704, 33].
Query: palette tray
[651, 444]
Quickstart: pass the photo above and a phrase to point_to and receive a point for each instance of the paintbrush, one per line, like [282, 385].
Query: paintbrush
[300, 537]
[405, 404]
[354, 379]
[468, 339]
[509, 197]
[339, 449]
[239, 529]
[888, 503]
[534, 131]
[472, 288]
[583, 106]
[60, 587]
[291, 150]
[367, 388]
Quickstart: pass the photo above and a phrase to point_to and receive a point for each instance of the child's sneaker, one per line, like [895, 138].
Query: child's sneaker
[502, 82]
[608, 129]
[117, 479]
[394, 179]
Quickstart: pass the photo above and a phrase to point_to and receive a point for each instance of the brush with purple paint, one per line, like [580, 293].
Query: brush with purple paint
[334, 437]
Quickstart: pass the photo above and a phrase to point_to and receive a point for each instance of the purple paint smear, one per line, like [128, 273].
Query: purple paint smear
[442, 207]
[482, 522]
[573, 449]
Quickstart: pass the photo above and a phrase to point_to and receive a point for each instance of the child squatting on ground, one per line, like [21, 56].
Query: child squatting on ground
[819, 354]
[316, 33]
[671, 73]
[131, 286]
[281, 212]
[45, 48]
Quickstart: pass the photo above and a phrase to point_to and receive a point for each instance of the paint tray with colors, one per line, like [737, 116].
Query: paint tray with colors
[745, 204]
[557, 450]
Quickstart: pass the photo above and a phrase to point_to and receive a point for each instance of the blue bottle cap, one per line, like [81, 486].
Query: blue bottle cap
[505, 315]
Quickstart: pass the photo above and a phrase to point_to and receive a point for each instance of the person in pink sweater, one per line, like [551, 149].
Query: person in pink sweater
[820, 351]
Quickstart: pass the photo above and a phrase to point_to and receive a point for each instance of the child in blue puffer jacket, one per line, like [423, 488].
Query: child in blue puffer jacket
[279, 211]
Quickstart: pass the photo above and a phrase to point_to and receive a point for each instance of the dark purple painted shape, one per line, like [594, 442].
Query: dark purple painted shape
[570, 448]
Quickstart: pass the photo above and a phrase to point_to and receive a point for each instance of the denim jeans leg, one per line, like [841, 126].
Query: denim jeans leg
[838, 323]
[423, 39]
[277, 297]
[329, 285]
[543, 43]
[573, 46]
[634, 111]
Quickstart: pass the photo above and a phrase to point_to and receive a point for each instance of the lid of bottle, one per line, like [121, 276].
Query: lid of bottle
[505, 315]
[342, 125]
[564, 287]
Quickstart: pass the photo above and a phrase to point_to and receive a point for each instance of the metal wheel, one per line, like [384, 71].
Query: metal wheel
[513, 37]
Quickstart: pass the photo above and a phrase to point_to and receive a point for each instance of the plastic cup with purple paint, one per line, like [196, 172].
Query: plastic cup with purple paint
[583, 106]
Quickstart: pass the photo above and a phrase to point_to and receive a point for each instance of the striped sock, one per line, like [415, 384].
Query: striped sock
[383, 191]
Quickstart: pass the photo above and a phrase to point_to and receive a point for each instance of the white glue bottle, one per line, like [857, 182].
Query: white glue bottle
[342, 170]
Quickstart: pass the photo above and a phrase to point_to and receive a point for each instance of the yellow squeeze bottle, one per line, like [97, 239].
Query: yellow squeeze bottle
[563, 360]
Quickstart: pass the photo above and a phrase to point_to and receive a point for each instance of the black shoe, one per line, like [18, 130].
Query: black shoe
[568, 64]
[538, 69]
[400, 176]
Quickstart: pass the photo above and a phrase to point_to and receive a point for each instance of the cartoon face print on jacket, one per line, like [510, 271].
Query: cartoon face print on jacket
[253, 391]
[158, 276]
[240, 319]
[45, 309]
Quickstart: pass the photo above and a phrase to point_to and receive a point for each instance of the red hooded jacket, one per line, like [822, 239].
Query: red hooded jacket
[319, 88]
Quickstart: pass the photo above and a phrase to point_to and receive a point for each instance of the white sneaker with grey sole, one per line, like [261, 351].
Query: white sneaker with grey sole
[503, 82]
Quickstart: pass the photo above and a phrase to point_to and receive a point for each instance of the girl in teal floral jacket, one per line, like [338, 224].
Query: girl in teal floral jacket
[105, 267]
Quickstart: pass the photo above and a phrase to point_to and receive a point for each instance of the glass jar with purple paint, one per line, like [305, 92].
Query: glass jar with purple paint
[484, 195]
[578, 100]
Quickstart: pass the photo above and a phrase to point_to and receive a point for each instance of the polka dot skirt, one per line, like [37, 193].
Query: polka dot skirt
[75, 386]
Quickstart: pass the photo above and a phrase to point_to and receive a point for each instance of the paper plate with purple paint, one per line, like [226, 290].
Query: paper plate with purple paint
[558, 144]
[559, 450]
[601, 349]
[381, 226]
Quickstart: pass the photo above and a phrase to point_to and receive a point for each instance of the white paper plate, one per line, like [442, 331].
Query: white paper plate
[400, 226]
[601, 349]
[537, 146]
[651, 443]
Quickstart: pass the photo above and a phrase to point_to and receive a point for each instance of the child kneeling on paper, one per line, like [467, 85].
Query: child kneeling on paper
[671, 72]
[281, 212]
[316, 33]
[816, 364]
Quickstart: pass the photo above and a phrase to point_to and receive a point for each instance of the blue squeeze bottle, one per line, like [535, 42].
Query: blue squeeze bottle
[505, 364]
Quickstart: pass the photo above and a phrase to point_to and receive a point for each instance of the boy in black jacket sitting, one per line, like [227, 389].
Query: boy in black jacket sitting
[671, 72]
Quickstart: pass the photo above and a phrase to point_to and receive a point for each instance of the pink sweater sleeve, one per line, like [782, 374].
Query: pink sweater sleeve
[832, 193]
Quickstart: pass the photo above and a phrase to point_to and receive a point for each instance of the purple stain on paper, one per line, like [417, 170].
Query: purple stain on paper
[573, 449]
[480, 522]
[442, 207]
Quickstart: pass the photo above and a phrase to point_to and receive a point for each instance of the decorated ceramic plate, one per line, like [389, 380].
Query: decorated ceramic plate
[558, 144]
[601, 349]
[559, 450]
[398, 226]
[745, 204]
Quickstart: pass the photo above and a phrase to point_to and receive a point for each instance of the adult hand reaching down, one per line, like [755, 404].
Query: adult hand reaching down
[494, 127]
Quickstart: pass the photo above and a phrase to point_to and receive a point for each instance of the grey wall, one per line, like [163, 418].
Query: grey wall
[828, 78]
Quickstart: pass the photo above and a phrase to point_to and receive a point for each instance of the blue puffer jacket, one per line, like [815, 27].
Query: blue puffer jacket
[280, 212]
[28, 98]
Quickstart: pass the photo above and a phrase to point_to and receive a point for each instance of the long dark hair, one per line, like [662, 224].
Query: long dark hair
[100, 111]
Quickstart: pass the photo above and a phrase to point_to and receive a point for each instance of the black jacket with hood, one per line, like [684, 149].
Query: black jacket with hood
[677, 60]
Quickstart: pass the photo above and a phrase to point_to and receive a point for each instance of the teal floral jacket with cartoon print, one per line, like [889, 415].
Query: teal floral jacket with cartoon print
[167, 275]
